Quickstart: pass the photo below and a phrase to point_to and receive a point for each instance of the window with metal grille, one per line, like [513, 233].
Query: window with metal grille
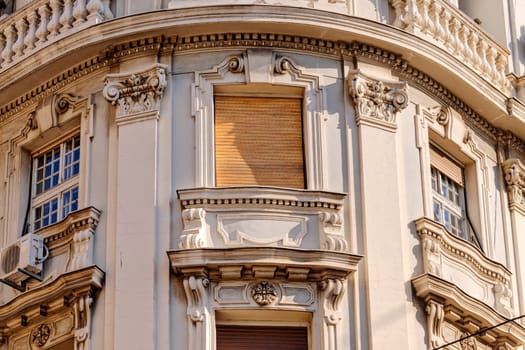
[55, 182]
[259, 141]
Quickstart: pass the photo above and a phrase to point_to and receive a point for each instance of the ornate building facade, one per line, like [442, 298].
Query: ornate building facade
[243, 174]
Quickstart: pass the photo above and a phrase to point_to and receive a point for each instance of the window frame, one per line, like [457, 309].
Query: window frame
[221, 78]
[39, 200]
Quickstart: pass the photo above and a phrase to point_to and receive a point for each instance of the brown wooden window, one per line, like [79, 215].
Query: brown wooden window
[261, 337]
[259, 141]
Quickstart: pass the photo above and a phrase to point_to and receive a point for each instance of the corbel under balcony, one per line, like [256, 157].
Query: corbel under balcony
[53, 313]
[464, 291]
[234, 217]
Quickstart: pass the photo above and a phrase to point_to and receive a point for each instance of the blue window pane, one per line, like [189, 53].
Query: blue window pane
[55, 180]
[76, 168]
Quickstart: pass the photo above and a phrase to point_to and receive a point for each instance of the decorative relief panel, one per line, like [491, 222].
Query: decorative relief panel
[265, 293]
[261, 229]
[377, 102]
[136, 92]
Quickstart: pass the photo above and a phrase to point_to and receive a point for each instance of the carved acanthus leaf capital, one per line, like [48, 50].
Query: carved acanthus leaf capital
[136, 92]
[514, 173]
[377, 102]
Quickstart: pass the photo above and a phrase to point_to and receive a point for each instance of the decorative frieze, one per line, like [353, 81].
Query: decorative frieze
[194, 234]
[514, 173]
[40, 335]
[136, 92]
[377, 102]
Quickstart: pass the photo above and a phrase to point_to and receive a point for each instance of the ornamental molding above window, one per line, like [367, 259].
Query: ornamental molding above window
[53, 313]
[514, 173]
[136, 92]
[377, 102]
[260, 279]
[455, 260]
[261, 66]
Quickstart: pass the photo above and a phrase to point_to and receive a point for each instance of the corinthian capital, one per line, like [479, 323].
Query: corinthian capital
[377, 102]
[136, 92]
[515, 179]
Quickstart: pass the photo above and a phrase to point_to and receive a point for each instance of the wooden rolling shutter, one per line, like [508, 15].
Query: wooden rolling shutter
[261, 338]
[446, 165]
[258, 141]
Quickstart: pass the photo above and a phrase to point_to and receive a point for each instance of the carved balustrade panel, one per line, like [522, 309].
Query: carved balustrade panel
[44, 22]
[442, 23]
[261, 216]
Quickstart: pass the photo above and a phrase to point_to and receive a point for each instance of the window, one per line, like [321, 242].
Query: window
[448, 200]
[259, 141]
[55, 182]
[231, 337]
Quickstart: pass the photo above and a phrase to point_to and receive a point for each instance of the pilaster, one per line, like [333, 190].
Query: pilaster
[377, 104]
[136, 96]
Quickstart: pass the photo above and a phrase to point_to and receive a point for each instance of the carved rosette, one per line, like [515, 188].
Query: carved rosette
[136, 92]
[264, 293]
[377, 102]
[40, 335]
[514, 173]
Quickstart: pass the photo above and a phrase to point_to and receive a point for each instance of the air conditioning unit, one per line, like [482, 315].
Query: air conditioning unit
[22, 259]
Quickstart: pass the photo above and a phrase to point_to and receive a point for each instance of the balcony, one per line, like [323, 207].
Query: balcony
[441, 23]
[43, 22]
[261, 216]
[464, 291]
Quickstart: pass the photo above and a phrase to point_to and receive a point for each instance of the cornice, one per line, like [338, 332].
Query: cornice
[213, 263]
[232, 197]
[325, 46]
[55, 235]
[70, 285]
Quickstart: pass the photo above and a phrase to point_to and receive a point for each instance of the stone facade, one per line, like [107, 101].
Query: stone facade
[407, 233]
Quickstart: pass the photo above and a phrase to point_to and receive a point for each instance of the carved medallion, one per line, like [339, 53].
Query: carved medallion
[40, 335]
[264, 293]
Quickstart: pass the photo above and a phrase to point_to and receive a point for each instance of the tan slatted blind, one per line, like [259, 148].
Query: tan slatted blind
[258, 141]
[261, 338]
[445, 165]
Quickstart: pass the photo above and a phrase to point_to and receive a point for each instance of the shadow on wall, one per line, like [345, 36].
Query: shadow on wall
[6, 7]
